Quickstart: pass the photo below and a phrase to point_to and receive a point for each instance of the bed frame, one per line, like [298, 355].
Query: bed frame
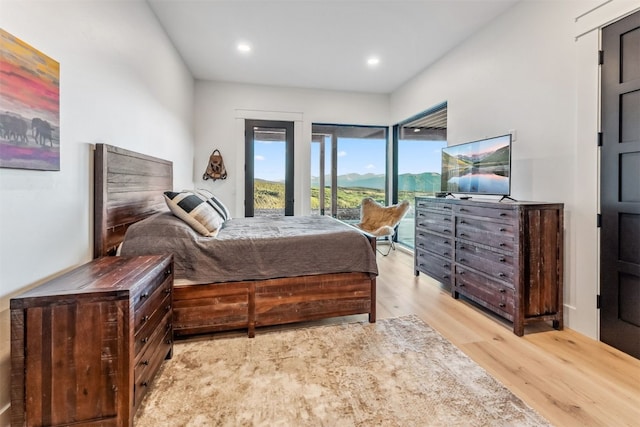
[128, 187]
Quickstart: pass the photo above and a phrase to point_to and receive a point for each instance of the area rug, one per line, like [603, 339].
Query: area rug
[396, 372]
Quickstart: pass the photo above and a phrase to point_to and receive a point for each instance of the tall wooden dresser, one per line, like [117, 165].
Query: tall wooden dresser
[85, 345]
[507, 257]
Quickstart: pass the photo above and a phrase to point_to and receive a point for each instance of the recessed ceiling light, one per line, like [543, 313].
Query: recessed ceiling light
[374, 60]
[244, 47]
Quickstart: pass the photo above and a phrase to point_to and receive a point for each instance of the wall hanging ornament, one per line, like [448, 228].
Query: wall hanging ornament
[215, 168]
[29, 107]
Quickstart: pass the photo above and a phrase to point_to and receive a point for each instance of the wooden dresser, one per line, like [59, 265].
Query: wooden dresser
[507, 257]
[85, 345]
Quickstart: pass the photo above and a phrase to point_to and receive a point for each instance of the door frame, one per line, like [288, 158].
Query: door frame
[249, 172]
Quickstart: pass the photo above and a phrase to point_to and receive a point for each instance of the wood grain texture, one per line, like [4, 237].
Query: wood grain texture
[504, 256]
[217, 307]
[128, 187]
[568, 378]
[76, 340]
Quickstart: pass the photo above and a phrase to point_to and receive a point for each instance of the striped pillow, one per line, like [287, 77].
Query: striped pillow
[193, 209]
[215, 203]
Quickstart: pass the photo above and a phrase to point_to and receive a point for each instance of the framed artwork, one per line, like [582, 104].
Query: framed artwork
[29, 107]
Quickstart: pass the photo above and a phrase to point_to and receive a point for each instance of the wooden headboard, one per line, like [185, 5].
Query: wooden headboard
[128, 187]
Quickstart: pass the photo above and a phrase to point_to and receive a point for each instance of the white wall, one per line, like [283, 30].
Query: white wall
[121, 83]
[526, 72]
[222, 107]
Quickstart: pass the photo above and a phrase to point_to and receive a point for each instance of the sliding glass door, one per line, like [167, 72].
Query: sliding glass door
[418, 143]
[348, 163]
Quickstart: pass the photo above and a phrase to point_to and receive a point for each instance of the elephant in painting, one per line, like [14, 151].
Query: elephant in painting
[14, 128]
[41, 131]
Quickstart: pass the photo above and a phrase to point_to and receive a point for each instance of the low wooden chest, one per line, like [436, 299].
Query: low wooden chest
[86, 345]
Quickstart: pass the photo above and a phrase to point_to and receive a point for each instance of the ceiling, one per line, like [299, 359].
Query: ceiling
[320, 44]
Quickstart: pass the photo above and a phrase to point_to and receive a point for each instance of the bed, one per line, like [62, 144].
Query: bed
[128, 193]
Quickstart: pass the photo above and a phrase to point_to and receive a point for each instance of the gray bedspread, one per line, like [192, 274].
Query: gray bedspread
[253, 248]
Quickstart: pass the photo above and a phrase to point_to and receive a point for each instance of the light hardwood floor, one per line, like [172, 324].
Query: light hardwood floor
[568, 378]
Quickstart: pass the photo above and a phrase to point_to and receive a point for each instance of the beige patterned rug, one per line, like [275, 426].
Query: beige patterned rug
[396, 372]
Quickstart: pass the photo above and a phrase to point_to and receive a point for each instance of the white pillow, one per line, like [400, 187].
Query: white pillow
[194, 209]
[215, 203]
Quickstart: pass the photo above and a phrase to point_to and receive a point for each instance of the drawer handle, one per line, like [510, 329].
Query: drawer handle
[145, 340]
[462, 221]
[145, 319]
[502, 260]
[462, 248]
[463, 260]
[503, 229]
[445, 254]
[461, 273]
[168, 307]
[503, 214]
[421, 244]
[169, 326]
[145, 363]
[502, 304]
[446, 230]
[502, 244]
[168, 341]
[463, 234]
[446, 265]
[502, 275]
[144, 295]
[446, 207]
[461, 285]
[168, 290]
[463, 210]
[144, 384]
[447, 219]
[502, 291]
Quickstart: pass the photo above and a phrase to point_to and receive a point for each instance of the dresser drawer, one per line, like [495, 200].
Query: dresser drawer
[435, 266]
[151, 302]
[494, 264]
[144, 335]
[434, 222]
[434, 243]
[495, 234]
[485, 212]
[144, 358]
[490, 293]
[434, 205]
[144, 376]
[163, 278]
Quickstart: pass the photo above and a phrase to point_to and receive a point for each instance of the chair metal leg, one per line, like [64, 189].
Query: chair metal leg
[392, 246]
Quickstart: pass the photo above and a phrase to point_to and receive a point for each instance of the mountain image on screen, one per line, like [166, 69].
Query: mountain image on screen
[478, 167]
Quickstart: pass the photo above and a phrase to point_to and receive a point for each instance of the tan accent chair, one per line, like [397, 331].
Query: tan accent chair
[381, 221]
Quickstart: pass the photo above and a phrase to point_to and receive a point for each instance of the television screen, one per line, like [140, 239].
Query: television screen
[478, 167]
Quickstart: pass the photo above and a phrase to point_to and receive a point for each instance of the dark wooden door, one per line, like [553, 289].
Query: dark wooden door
[620, 186]
[268, 168]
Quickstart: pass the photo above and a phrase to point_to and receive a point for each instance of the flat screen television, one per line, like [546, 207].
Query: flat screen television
[478, 167]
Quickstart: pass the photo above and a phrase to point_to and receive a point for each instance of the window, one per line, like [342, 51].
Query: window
[348, 163]
[417, 156]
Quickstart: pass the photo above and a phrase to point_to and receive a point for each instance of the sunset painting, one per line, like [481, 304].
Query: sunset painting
[29, 107]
